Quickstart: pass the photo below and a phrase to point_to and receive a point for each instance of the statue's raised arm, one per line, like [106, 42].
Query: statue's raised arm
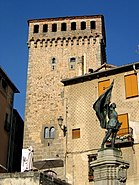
[104, 109]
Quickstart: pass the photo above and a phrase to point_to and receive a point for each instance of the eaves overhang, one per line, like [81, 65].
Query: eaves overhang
[95, 75]
[10, 83]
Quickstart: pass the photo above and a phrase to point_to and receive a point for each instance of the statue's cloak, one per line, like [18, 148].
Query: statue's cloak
[101, 106]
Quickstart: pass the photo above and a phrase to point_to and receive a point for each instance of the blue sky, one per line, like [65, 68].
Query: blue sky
[121, 23]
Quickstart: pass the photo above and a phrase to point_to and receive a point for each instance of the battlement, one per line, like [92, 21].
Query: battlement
[66, 29]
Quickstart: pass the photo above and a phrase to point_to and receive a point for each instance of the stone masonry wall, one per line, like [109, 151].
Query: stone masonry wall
[45, 94]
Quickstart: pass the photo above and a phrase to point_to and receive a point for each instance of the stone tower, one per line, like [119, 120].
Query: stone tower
[59, 48]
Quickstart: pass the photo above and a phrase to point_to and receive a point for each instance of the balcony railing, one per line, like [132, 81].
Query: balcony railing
[124, 138]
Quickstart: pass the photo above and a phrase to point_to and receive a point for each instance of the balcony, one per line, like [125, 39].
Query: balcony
[124, 138]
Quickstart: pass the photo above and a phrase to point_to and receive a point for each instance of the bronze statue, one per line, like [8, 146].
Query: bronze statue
[105, 111]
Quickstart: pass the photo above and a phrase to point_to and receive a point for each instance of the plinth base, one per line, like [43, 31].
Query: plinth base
[109, 168]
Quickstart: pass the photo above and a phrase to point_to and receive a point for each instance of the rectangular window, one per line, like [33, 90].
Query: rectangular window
[72, 63]
[93, 24]
[75, 133]
[36, 28]
[45, 28]
[131, 85]
[63, 27]
[102, 86]
[83, 25]
[124, 129]
[54, 27]
[73, 26]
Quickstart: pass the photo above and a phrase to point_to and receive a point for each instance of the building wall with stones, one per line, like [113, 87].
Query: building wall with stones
[80, 95]
[59, 48]
[32, 178]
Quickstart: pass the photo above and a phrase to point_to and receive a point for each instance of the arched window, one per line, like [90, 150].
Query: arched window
[52, 132]
[46, 132]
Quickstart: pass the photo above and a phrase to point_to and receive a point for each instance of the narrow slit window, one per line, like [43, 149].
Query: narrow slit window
[73, 26]
[83, 25]
[45, 28]
[72, 63]
[63, 27]
[36, 28]
[53, 63]
[93, 24]
[54, 27]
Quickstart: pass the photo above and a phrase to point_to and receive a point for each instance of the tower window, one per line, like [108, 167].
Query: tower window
[45, 28]
[36, 28]
[72, 63]
[52, 132]
[83, 25]
[54, 27]
[93, 24]
[73, 26]
[46, 132]
[53, 63]
[49, 133]
[63, 27]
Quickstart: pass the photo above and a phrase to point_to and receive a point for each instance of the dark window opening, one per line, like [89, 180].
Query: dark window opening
[73, 26]
[53, 60]
[4, 85]
[45, 28]
[54, 27]
[36, 28]
[63, 27]
[93, 24]
[53, 63]
[7, 124]
[73, 59]
[83, 25]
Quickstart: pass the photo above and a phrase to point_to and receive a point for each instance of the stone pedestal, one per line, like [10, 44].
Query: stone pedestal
[110, 168]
